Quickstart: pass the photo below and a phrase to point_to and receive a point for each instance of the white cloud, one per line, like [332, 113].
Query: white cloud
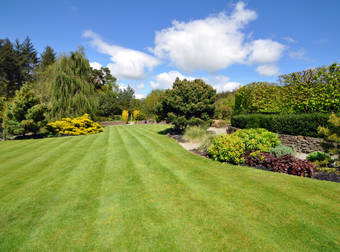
[140, 96]
[268, 70]
[126, 63]
[208, 44]
[265, 51]
[215, 43]
[95, 65]
[222, 83]
[165, 80]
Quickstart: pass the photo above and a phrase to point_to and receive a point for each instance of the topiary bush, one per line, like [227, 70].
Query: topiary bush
[231, 148]
[281, 150]
[290, 124]
[284, 164]
[82, 125]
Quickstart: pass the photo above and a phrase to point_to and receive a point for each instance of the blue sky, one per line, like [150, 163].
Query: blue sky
[146, 44]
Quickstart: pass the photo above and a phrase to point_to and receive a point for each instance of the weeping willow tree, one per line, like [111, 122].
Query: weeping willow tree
[67, 89]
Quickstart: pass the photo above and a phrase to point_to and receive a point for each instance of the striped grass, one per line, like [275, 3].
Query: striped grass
[132, 189]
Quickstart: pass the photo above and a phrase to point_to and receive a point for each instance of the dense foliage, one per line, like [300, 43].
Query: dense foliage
[188, 103]
[232, 148]
[291, 124]
[283, 164]
[312, 90]
[308, 91]
[82, 125]
[258, 97]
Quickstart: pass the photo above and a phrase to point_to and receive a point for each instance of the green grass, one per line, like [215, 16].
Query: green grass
[131, 189]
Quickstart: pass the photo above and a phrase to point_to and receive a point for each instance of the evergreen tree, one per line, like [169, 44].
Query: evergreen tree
[25, 113]
[188, 103]
[27, 61]
[8, 69]
[48, 57]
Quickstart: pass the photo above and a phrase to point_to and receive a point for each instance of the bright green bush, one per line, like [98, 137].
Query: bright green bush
[227, 148]
[318, 156]
[82, 125]
[231, 148]
[281, 150]
[290, 124]
[194, 133]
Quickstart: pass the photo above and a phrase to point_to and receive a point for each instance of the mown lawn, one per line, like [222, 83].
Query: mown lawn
[132, 189]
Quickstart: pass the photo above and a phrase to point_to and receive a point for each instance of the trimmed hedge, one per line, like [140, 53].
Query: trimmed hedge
[290, 124]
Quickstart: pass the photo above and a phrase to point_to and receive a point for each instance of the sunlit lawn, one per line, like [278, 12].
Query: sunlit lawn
[132, 189]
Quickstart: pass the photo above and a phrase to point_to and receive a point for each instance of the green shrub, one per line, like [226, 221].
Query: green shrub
[318, 156]
[291, 124]
[281, 150]
[231, 148]
[194, 133]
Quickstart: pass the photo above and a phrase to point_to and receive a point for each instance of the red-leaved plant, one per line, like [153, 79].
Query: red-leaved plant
[284, 164]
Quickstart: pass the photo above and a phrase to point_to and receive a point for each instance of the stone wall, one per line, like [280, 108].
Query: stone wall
[302, 143]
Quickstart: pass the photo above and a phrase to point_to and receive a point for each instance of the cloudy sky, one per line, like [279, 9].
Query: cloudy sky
[147, 44]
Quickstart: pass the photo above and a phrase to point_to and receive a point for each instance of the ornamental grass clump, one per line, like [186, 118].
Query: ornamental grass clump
[194, 133]
[232, 148]
[82, 125]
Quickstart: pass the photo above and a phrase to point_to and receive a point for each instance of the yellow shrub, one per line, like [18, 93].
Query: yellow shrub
[135, 114]
[125, 116]
[82, 125]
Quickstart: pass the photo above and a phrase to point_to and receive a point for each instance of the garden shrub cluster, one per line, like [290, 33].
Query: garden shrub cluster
[291, 124]
[82, 125]
[284, 164]
[232, 148]
[326, 167]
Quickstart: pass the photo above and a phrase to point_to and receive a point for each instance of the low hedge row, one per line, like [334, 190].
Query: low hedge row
[290, 124]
